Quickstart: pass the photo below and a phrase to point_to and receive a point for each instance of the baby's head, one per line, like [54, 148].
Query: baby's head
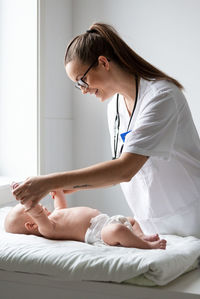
[18, 221]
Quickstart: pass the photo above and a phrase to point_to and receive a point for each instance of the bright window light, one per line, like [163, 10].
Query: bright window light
[18, 88]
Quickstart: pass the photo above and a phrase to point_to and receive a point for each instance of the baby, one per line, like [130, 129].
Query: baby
[80, 224]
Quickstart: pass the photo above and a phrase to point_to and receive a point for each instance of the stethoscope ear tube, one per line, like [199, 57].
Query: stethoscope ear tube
[117, 122]
[116, 128]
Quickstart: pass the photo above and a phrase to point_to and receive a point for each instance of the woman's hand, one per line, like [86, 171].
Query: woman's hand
[31, 190]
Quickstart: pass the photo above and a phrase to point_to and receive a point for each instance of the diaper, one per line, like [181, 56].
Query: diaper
[93, 233]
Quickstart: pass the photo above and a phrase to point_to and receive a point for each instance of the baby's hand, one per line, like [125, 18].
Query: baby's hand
[70, 191]
[59, 199]
[57, 192]
[52, 193]
[61, 192]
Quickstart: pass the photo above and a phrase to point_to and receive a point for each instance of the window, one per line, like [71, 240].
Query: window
[18, 89]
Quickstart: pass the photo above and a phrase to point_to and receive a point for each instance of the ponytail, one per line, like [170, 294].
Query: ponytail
[103, 39]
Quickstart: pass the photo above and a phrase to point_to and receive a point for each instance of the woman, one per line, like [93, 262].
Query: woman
[156, 148]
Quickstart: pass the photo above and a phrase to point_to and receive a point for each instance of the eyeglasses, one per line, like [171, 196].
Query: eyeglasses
[81, 83]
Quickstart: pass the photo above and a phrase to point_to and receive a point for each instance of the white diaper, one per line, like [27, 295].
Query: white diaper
[93, 233]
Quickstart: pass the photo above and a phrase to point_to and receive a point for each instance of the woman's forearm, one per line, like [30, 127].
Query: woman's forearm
[99, 175]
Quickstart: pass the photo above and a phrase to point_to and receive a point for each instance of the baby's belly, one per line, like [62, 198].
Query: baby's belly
[74, 224]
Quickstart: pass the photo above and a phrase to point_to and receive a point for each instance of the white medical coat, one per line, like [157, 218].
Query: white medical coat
[164, 195]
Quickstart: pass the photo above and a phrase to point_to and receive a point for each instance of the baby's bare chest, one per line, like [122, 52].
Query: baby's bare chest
[73, 223]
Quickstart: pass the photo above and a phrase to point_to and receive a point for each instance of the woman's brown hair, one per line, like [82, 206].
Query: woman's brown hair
[102, 39]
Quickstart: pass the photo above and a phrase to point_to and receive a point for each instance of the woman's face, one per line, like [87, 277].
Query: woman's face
[98, 78]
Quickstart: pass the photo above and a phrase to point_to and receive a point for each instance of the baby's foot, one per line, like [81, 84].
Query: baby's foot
[160, 244]
[151, 238]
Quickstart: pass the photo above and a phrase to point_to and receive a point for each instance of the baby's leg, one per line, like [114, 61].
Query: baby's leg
[119, 234]
[137, 230]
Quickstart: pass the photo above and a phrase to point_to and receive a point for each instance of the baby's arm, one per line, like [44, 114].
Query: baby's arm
[59, 199]
[45, 226]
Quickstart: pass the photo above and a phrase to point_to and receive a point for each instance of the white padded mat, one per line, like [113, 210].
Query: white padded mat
[76, 261]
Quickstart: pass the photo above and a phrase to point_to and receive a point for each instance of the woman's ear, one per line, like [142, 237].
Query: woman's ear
[31, 227]
[104, 62]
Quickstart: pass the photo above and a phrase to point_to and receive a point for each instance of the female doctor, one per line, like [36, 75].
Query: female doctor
[155, 145]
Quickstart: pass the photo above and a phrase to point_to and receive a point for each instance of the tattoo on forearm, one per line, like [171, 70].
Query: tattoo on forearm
[82, 186]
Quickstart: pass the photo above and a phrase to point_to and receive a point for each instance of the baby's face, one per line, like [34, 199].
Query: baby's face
[17, 218]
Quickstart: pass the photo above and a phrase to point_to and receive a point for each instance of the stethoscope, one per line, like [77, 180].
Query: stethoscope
[117, 123]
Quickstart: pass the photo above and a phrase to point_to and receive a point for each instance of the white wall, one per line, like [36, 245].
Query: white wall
[55, 89]
[166, 33]
[55, 101]
[36, 36]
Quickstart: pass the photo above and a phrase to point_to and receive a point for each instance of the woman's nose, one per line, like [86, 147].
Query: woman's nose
[84, 90]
